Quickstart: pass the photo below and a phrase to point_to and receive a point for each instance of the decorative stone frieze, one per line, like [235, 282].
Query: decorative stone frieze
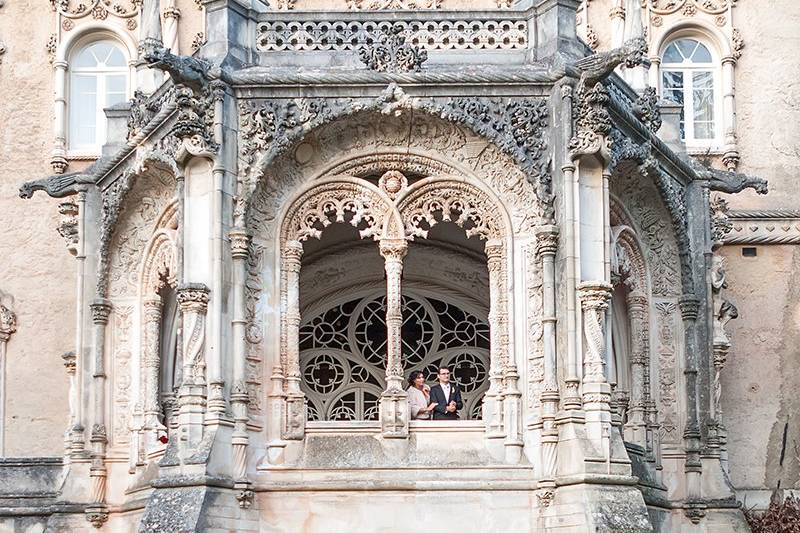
[777, 226]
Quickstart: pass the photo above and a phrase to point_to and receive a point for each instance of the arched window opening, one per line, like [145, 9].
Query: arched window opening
[459, 308]
[689, 77]
[342, 336]
[98, 79]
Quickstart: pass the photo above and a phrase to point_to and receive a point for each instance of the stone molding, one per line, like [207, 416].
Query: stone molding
[769, 226]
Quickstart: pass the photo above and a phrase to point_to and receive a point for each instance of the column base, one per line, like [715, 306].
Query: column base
[394, 414]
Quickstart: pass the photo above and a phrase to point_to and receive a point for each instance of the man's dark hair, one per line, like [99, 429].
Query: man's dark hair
[444, 368]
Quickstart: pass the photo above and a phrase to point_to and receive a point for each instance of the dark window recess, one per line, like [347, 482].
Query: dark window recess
[749, 251]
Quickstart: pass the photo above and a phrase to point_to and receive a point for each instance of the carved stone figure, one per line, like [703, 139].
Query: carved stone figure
[598, 66]
[184, 70]
[58, 185]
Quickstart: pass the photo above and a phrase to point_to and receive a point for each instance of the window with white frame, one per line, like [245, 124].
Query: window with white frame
[98, 79]
[689, 76]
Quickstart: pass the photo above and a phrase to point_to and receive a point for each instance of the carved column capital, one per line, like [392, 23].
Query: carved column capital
[594, 295]
[637, 302]
[393, 249]
[193, 297]
[546, 240]
[240, 241]
[171, 12]
[100, 308]
[494, 254]
[689, 305]
[291, 255]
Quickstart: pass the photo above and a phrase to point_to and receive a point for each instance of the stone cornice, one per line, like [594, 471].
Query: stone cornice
[764, 226]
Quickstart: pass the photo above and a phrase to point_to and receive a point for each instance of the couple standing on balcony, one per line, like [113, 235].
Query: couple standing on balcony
[440, 402]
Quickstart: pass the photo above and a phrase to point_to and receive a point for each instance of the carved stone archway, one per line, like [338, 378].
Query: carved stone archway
[632, 295]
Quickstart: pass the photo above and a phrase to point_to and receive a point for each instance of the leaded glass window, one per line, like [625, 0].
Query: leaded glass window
[688, 77]
[343, 353]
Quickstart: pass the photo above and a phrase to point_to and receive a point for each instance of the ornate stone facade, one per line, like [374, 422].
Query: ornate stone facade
[261, 267]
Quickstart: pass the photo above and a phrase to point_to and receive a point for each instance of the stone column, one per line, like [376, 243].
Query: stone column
[493, 399]
[69, 365]
[617, 16]
[192, 400]
[572, 399]
[97, 513]
[295, 417]
[58, 158]
[239, 439]
[594, 297]
[689, 305]
[171, 16]
[635, 428]
[8, 325]
[731, 155]
[151, 346]
[547, 246]
[394, 406]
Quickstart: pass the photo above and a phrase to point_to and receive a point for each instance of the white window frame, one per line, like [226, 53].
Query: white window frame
[693, 144]
[101, 74]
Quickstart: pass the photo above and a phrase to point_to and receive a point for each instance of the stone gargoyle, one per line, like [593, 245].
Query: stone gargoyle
[184, 70]
[728, 181]
[598, 66]
[57, 185]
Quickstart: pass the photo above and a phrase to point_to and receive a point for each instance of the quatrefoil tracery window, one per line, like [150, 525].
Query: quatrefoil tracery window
[343, 352]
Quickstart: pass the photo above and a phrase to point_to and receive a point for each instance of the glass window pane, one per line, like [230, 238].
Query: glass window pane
[83, 110]
[116, 58]
[686, 47]
[701, 54]
[703, 104]
[101, 51]
[671, 55]
[84, 59]
[115, 85]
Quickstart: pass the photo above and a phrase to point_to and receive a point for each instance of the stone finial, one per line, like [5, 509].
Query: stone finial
[392, 182]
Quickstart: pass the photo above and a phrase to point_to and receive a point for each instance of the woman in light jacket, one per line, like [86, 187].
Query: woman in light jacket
[418, 397]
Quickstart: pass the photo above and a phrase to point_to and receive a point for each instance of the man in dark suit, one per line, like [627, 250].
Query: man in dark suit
[446, 396]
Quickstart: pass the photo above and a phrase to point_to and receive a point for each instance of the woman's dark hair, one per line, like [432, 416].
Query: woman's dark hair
[413, 377]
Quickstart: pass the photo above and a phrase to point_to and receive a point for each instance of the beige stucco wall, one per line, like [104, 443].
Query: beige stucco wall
[35, 267]
[762, 376]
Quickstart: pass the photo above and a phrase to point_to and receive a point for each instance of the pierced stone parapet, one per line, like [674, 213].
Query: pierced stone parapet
[350, 35]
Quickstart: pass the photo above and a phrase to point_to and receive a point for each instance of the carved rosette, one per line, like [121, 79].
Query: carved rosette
[594, 297]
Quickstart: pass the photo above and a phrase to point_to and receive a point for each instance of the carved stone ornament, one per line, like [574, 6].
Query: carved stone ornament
[593, 122]
[517, 127]
[68, 226]
[737, 43]
[245, 498]
[594, 297]
[647, 110]
[721, 224]
[690, 7]
[96, 9]
[195, 122]
[391, 53]
[69, 362]
[393, 4]
[2, 51]
[184, 70]
[599, 66]
[727, 181]
[8, 319]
